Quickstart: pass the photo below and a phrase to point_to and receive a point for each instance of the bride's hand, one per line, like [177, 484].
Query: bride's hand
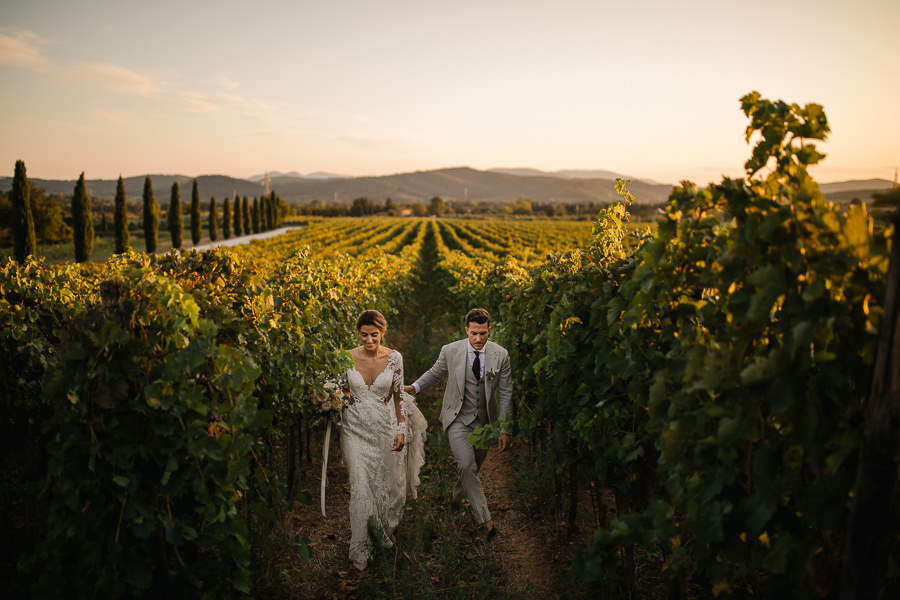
[399, 440]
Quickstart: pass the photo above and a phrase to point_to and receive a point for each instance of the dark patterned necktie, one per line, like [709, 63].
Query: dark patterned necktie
[476, 366]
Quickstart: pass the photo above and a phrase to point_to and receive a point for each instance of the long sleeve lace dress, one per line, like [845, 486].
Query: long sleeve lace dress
[380, 480]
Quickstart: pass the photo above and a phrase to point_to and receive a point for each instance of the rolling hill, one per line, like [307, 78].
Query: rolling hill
[460, 183]
[463, 183]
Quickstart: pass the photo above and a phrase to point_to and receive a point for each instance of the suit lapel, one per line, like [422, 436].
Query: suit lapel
[490, 364]
[461, 366]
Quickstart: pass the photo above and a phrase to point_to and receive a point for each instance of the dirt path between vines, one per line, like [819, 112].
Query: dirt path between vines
[529, 557]
[528, 551]
[529, 554]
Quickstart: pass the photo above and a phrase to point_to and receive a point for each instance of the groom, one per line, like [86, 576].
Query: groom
[478, 380]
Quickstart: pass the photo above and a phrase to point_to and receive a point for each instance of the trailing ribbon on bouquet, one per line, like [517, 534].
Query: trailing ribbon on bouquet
[325, 462]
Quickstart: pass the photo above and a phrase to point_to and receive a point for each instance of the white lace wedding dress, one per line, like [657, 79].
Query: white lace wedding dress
[380, 480]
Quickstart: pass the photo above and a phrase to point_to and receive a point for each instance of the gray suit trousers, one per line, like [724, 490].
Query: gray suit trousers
[468, 461]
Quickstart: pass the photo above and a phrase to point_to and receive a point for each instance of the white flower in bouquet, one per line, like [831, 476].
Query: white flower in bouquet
[334, 399]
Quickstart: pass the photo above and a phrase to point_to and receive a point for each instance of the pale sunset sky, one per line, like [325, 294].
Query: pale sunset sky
[647, 88]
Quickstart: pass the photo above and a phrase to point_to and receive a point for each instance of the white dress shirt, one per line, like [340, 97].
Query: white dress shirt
[470, 356]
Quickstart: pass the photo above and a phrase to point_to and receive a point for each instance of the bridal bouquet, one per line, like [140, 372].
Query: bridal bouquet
[331, 407]
[332, 404]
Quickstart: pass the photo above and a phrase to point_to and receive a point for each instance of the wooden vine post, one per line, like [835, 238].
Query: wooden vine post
[872, 526]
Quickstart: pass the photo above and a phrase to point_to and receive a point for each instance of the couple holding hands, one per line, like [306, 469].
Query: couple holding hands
[383, 432]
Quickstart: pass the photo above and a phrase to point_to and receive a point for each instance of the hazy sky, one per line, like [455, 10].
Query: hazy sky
[649, 88]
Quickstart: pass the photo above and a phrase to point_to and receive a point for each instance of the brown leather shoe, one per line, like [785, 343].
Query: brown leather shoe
[484, 532]
[489, 527]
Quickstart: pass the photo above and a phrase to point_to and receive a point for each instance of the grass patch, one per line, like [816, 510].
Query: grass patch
[434, 555]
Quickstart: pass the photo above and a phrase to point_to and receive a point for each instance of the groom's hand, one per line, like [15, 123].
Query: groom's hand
[505, 442]
[409, 390]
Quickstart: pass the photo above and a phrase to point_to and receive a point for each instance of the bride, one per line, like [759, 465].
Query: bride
[382, 439]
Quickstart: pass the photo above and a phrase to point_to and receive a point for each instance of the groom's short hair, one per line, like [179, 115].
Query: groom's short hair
[478, 315]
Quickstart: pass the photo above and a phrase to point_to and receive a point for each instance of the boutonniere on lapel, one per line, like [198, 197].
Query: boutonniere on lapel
[490, 375]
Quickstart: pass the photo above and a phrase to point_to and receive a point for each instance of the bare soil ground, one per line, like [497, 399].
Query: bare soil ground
[531, 554]
[528, 555]
[526, 559]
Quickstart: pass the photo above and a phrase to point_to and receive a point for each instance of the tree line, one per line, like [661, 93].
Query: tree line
[28, 216]
[439, 207]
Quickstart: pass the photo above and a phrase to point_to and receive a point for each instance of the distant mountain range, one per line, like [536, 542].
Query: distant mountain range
[571, 174]
[278, 176]
[463, 183]
[460, 183]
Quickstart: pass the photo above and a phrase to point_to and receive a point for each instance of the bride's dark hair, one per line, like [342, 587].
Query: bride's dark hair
[372, 317]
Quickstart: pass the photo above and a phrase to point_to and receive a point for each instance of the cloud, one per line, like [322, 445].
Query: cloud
[226, 81]
[197, 102]
[24, 50]
[105, 115]
[21, 49]
[111, 77]
[250, 105]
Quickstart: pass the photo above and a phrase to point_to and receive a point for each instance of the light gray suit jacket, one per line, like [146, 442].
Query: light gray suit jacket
[453, 363]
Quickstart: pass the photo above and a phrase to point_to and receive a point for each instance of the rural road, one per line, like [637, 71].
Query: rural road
[243, 239]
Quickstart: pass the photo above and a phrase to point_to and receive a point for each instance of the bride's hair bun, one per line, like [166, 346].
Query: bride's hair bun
[372, 317]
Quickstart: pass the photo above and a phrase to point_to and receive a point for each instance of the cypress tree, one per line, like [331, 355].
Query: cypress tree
[254, 215]
[121, 219]
[151, 217]
[226, 218]
[245, 210]
[23, 225]
[276, 209]
[213, 220]
[196, 219]
[264, 213]
[82, 222]
[176, 224]
[270, 213]
[237, 217]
